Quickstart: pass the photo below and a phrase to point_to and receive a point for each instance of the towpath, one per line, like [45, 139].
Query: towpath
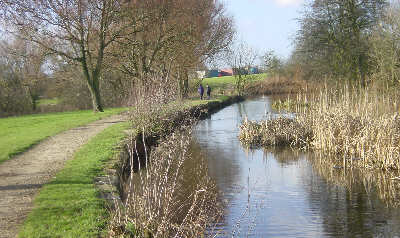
[23, 176]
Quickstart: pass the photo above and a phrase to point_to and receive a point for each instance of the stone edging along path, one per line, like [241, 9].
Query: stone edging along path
[22, 176]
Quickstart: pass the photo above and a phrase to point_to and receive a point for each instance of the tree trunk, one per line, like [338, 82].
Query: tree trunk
[185, 88]
[183, 84]
[95, 93]
[361, 69]
[93, 85]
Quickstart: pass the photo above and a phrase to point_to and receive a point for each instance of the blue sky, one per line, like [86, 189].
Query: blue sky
[266, 24]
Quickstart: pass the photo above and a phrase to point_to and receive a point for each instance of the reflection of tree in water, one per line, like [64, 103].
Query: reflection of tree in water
[348, 200]
[242, 110]
[351, 202]
[221, 168]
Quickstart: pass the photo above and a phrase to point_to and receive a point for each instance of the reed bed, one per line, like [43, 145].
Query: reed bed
[277, 132]
[359, 126]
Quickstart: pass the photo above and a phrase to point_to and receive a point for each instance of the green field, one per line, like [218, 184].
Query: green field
[69, 205]
[220, 85]
[18, 134]
[48, 101]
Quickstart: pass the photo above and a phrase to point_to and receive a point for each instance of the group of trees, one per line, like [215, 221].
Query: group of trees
[349, 40]
[124, 44]
[21, 77]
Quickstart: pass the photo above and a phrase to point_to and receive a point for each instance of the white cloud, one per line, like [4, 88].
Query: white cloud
[286, 3]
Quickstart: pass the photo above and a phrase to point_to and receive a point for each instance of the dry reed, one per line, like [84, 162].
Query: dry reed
[277, 132]
[170, 194]
[360, 125]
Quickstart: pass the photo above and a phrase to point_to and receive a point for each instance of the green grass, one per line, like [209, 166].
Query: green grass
[48, 101]
[195, 101]
[220, 85]
[228, 80]
[18, 134]
[69, 205]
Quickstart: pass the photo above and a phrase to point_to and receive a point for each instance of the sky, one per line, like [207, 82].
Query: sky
[266, 24]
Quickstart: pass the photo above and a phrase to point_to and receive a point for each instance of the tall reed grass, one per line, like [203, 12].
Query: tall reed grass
[277, 132]
[362, 125]
[172, 197]
[359, 126]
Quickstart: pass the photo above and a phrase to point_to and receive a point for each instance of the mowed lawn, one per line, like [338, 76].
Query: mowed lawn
[18, 134]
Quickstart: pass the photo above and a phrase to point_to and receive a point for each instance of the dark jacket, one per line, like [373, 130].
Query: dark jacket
[201, 89]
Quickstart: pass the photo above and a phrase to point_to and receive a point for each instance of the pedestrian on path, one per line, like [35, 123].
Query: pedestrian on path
[201, 91]
[208, 92]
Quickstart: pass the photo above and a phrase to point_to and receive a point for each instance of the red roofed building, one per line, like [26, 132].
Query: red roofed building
[225, 72]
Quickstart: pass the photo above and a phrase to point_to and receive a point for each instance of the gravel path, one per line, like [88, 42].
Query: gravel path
[22, 176]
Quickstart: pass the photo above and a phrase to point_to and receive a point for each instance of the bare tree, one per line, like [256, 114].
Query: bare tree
[333, 36]
[241, 58]
[272, 63]
[79, 31]
[22, 72]
[177, 36]
[385, 47]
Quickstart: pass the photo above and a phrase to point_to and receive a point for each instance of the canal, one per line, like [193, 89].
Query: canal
[278, 192]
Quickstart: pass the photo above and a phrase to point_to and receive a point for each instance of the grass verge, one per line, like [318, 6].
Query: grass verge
[69, 205]
[18, 134]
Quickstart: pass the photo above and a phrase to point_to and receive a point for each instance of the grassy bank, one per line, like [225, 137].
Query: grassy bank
[18, 134]
[360, 126]
[69, 205]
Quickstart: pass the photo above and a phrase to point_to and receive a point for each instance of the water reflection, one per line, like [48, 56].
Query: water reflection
[356, 202]
[283, 193]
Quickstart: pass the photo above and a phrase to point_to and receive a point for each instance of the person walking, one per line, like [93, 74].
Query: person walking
[208, 92]
[201, 91]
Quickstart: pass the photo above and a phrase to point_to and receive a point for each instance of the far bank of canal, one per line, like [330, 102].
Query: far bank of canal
[281, 193]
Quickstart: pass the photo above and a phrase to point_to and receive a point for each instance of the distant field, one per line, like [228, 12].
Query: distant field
[45, 102]
[17, 134]
[220, 84]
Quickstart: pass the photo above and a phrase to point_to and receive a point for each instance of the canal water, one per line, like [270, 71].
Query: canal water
[284, 193]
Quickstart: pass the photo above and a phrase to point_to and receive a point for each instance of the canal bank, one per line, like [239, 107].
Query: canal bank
[137, 147]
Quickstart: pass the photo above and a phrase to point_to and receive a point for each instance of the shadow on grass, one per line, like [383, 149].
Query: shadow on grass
[20, 187]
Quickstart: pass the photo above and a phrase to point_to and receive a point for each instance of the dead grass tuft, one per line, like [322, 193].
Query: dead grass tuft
[277, 132]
